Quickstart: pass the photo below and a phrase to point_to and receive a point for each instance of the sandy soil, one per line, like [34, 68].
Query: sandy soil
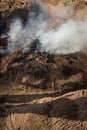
[42, 94]
[59, 103]
[44, 111]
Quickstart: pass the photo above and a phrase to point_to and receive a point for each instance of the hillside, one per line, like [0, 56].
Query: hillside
[42, 90]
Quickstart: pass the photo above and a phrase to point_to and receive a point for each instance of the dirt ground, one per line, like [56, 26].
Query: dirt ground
[44, 111]
[11, 9]
[40, 93]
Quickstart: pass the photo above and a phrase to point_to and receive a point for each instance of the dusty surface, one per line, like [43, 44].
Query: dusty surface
[44, 111]
[57, 73]
[43, 93]
[20, 8]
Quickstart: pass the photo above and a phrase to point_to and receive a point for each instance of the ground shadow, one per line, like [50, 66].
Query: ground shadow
[27, 98]
[62, 107]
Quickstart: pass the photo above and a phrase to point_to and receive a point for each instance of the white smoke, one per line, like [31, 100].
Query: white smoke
[21, 36]
[15, 33]
[67, 38]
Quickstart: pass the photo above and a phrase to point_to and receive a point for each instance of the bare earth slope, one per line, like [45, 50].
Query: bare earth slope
[21, 8]
[42, 94]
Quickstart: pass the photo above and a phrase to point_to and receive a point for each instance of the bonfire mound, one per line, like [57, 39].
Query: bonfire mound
[54, 72]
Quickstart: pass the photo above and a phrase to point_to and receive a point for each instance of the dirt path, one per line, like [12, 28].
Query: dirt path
[45, 111]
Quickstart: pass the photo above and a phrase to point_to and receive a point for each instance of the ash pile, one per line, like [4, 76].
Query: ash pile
[36, 69]
[35, 49]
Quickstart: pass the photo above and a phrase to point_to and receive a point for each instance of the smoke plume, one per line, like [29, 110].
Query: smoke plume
[57, 32]
[68, 38]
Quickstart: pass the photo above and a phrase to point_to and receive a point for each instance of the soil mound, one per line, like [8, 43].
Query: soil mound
[57, 73]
